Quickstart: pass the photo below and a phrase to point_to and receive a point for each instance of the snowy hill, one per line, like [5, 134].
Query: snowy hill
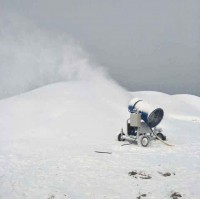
[48, 139]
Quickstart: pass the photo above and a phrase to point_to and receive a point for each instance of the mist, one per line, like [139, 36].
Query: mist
[144, 45]
[31, 58]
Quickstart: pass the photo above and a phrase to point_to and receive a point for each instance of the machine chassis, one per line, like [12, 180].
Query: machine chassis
[142, 135]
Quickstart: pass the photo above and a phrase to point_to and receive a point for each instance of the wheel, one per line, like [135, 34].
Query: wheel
[119, 137]
[161, 136]
[144, 140]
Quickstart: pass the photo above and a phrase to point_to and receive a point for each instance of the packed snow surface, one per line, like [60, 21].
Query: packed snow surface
[48, 139]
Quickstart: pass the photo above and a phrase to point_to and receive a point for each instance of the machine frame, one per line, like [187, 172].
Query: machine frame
[139, 132]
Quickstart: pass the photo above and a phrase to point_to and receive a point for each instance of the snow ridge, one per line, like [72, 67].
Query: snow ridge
[48, 139]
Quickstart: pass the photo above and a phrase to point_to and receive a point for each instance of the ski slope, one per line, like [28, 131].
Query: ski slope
[48, 139]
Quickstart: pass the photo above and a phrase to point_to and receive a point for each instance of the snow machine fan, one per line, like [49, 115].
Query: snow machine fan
[149, 114]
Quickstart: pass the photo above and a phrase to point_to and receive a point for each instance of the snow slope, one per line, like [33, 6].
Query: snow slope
[48, 139]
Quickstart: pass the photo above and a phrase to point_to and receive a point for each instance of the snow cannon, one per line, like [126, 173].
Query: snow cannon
[141, 125]
[149, 114]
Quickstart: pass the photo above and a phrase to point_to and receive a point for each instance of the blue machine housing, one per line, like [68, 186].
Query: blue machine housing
[150, 115]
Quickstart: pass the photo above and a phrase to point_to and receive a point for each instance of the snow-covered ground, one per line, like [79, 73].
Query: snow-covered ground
[48, 139]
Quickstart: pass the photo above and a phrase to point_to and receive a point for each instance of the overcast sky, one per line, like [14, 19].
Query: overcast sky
[144, 44]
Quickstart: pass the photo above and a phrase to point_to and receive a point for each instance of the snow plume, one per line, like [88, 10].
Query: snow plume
[31, 57]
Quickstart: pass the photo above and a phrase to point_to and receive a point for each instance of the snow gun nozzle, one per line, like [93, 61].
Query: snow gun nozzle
[151, 115]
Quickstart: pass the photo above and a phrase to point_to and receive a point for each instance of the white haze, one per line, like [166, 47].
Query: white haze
[30, 58]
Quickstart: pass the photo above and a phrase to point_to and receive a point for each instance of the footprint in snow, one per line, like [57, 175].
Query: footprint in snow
[51, 196]
[140, 196]
[166, 174]
[175, 195]
[139, 174]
